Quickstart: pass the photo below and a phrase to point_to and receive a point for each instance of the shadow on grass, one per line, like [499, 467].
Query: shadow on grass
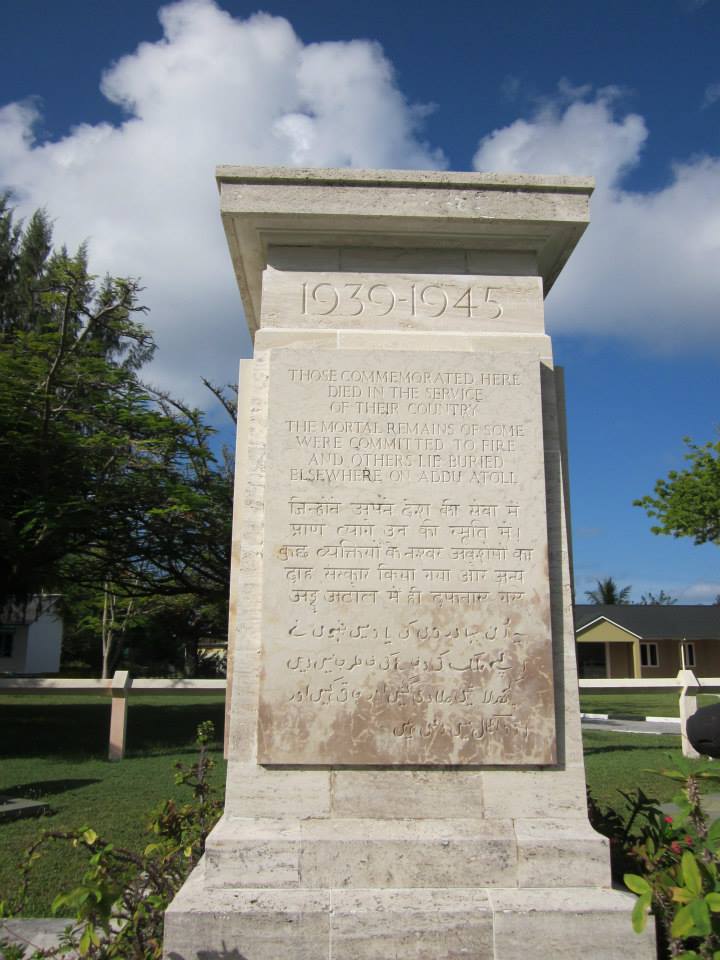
[590, 751]
[165, 728]
[46, 788]
[79, 731]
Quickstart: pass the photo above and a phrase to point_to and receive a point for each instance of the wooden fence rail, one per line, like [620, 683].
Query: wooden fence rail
[686, 682]
[122, 685]
[118, 688]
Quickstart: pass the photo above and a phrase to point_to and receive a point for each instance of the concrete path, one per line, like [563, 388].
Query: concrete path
[41, 934]
[655, 726]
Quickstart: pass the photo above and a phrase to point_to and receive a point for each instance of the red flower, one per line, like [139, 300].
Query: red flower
[668, 819]
[688, 840]
[675, 847]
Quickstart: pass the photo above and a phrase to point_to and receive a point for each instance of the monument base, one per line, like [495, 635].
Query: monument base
[473, 923]
[367, 889]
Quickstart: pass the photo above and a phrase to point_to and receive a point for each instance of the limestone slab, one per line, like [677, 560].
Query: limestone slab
[255, 791]
[396, 301]
[246, 924]
[406, 609]
[561, 853]
[413, 794]
[408, 854]
[337, 854]
[566, 924]
[254, 853]
[412, 925]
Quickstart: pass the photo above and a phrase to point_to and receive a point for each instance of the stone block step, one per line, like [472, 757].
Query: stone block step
[405, 924]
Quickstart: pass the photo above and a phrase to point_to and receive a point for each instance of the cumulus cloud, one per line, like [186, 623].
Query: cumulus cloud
[214, 89]
[712, 94]
[701, 592]
[647, 266]
[218, 89]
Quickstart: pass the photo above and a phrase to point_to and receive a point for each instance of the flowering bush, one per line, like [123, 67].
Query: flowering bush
[679, 875]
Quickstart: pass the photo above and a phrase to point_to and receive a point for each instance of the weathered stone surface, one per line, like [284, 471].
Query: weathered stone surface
[412, 924]
[406, 596]
[338, 854]
[561, 853]
[255, 791]
[388, 301]
[231, 924]
[566, 924]
[407, 794]
[343, 839]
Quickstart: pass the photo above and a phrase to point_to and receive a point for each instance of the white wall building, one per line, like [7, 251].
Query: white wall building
[31, 637]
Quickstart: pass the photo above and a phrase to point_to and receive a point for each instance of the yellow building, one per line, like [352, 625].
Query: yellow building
[653, 640]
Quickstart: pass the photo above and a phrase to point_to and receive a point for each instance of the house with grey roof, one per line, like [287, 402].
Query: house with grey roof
[653, 640]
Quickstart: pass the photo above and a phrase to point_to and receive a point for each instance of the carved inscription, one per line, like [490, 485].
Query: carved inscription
[411, 299]
[463, 302]
[406, 603]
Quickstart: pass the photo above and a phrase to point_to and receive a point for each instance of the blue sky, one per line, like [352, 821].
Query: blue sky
[114, 119]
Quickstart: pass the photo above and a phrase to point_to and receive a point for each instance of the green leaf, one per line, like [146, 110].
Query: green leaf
[638, 885]
[89, 836]
[683, 923]
[640, 913]
[701, 917]
[670, 774]
[714, 832]
[713, 901]
[58, 903]
[681, 894]
[691, 873]
[85, 942]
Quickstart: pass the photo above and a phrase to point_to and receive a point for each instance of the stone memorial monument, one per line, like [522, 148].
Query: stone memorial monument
[405, 775]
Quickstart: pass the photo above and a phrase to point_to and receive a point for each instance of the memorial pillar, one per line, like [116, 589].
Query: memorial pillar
[406, 775]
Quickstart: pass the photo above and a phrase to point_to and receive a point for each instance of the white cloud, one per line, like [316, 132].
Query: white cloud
[701, 592]
[214, 89]
[712, 94]
[647, 266]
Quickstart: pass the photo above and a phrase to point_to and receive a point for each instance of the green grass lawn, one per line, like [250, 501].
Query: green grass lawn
[54, 748]
[625, 761]
[638, 704]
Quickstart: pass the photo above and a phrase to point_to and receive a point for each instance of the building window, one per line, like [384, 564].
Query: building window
[688, 654]
[648, 654]
[6, 642]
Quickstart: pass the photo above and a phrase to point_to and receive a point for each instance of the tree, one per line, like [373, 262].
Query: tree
[662, 599]
[687, 502]
[112, 492]
[607, 592]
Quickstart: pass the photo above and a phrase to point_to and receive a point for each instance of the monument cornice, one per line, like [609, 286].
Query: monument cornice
[543, 215]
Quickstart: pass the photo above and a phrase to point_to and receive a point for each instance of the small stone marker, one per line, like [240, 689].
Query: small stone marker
[15, 808]
[405, 760]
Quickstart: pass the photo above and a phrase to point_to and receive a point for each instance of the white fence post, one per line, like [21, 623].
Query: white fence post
[689, 686]
[118, 714]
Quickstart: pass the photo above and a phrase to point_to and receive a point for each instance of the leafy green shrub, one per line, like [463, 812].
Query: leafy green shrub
[119, 905]
[679, 878]
[671, 864]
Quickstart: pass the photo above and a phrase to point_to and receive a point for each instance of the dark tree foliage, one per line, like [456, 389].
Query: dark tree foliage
[109, 489]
